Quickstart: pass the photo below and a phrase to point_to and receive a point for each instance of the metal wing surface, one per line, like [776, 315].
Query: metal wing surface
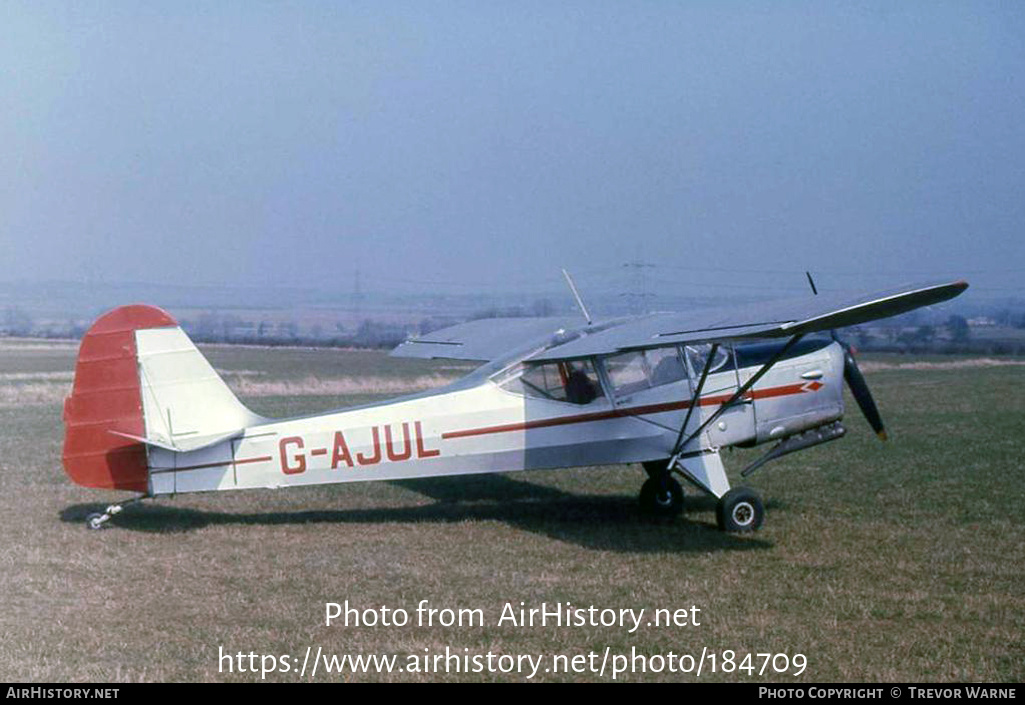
[772, 319]
[485, 339]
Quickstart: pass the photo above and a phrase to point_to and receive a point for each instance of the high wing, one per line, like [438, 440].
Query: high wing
[774, 319]
[563, 338]
[485, 339]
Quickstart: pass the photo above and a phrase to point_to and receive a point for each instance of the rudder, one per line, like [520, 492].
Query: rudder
[106, 396]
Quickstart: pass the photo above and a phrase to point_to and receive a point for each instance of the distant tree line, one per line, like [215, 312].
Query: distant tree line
[953, 337]
[16, 322]
[210, 328]
[909, 333]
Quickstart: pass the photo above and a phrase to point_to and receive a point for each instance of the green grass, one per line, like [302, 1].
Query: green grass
[902, 561]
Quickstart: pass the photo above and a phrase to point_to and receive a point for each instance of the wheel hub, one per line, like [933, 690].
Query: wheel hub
[743, 513]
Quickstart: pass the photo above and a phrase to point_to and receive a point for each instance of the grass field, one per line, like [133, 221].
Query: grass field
[879, 562]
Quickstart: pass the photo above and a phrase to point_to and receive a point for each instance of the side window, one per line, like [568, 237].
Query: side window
[666, 366]
[634, 371]
[575, 382]
[697, 355]
[627, 372]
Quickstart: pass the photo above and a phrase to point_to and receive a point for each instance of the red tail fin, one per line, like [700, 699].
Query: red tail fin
[106, 398]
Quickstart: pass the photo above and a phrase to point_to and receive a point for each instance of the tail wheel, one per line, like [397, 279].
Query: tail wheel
[661, 497]
[740, 510]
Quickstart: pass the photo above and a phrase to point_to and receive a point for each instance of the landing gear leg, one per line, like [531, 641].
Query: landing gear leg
[740, 509]
[97, 521]
[661, 494]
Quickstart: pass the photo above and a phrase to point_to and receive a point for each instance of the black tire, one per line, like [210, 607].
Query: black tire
[740, 511]
[658, 502]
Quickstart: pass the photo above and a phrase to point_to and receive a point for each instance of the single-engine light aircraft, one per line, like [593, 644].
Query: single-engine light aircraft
[670, 391]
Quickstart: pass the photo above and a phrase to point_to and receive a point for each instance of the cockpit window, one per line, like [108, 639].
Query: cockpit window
[635, 371]
[697, 355]
[666, 366]
[627, 372]
[575, 382]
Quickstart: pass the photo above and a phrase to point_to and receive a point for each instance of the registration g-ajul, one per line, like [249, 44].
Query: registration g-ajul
[670, 391]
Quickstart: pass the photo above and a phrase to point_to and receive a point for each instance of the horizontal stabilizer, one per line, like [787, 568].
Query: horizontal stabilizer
[183, 445]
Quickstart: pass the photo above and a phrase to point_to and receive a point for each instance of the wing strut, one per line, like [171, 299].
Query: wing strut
[694, 401]
[741, 391]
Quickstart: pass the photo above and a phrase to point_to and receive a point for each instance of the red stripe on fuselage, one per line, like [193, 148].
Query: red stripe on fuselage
[785, 390]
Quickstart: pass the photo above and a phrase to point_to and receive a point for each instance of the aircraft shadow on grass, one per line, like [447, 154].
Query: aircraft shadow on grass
[611, 523]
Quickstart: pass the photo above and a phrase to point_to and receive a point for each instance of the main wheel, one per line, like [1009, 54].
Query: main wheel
[94, 521]
[661, 502]
[740, 510]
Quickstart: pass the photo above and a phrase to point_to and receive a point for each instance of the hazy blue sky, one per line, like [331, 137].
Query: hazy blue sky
[488, 144]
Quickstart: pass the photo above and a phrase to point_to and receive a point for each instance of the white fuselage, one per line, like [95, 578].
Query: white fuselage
[479, 426]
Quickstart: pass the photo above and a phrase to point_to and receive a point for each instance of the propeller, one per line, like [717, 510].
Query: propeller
[856, 381]
[859, 388]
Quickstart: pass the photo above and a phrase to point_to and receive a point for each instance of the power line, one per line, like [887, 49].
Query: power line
[637, 295]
